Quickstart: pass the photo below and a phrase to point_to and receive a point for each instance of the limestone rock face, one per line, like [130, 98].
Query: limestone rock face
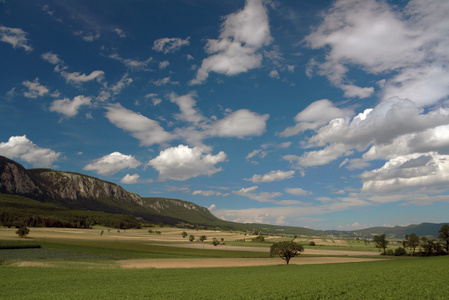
[14, 179]
[50, 184]
[66, 185]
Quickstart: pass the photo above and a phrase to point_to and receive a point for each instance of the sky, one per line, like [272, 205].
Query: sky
[318, 114]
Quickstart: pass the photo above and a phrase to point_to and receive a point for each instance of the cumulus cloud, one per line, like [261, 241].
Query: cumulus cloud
[243, 33]
[379, 39]
[16, 37]
[187, 103]
[314, 115]
[21, 147]
[112, 163]
[277, 175]
[408, 172]
[130, 179]
[240, 123]
[146, 130]
[35, 89]
[170, 45]
[182, 163]
[68, 107]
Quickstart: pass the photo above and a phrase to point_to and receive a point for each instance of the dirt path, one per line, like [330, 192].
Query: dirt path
[231, 262]
[267, 249]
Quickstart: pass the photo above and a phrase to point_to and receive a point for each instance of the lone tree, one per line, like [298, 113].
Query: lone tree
[203, 238]
[23, 231]
[286, 250]
[381, 242]
[191, 237]
[444, 236]
[412, 241]
[184, 234]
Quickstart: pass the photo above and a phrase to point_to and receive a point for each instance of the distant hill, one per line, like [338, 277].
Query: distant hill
[48, 196]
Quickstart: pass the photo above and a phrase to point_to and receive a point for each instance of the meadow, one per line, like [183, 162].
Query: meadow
[73, 264]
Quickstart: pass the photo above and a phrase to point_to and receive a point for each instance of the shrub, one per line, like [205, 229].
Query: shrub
[312, 243]
[400, 251]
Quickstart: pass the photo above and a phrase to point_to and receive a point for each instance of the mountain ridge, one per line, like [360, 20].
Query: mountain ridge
[83, 192]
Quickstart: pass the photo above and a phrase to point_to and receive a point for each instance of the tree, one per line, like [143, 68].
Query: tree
[191, 238]
[381, 242]
[215, 242]
[412, 242]
[286, 250]
[444, 235]
[184, 234]
[203, 238]
[23, 231]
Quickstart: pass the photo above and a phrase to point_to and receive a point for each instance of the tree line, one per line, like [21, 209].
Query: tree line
[414, 245]
[69, 219]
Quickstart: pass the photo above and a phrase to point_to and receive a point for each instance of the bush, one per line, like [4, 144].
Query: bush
[312, 243]
[400, 252]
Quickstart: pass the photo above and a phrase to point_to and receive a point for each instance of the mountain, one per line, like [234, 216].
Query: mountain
[42, 196]
[63, 193]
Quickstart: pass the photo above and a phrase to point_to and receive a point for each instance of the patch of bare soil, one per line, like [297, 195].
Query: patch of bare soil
[231, 262]
[267, 249]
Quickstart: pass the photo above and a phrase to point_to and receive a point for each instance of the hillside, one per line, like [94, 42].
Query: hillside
[49, 194]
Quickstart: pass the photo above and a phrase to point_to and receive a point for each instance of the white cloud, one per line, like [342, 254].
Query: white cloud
[88, 36]
[182, 163]
[130, 179]
[264, 197]
[187, 105]
[297, 191]
[112, 163]
[163, 64]
[242, 34]
[240, 124]
[69, 107]
[380, 39]
[119, 32]
[164, 81]
[274, 74]
[146, 130]
[21, 147]
[317, 113]
[206, 193]
[108, 91]
[133, 64]
[16, 37]
[76, 77]
[319, 157]
[35, 89]
[277, 175]
[52, 58]
[170, 45]
[408, 172]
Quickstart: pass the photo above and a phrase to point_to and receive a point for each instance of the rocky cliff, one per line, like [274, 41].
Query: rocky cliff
[72, 186]
[15, 179]
[46, 184]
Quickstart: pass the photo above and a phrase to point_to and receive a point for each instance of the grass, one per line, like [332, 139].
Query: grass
[410, 278]
[85, 249]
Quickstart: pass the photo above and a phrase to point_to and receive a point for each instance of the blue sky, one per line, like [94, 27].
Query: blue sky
[321, 114]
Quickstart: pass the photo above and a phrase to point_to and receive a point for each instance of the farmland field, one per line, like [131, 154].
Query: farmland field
[74, 264]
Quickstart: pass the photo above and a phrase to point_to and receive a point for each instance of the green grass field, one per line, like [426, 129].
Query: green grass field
[84, 264]
[410, 278]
